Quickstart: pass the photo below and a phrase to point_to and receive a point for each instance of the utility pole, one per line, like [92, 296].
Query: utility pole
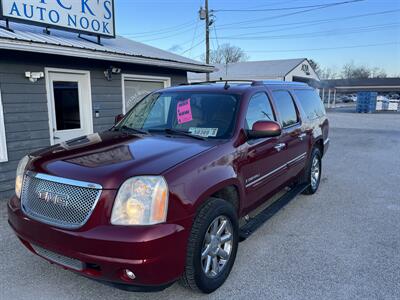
[207, 38]
[205, 15]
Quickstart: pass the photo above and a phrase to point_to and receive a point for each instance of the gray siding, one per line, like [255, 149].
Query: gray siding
[25, 103]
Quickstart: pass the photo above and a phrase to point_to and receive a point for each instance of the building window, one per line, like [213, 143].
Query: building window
[3, 143]
[136, 87]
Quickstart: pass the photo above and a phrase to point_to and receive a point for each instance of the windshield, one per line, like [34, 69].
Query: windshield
[201, 114]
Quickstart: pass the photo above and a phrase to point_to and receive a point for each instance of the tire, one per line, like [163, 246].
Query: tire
[195, 276]
[311, 178]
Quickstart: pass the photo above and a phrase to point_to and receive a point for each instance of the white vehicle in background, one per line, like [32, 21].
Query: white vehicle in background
[353, 97]
[382, 98]
[395, 97]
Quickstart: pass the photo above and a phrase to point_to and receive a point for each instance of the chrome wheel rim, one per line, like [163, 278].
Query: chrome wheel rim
[315, 172]
[217, 246]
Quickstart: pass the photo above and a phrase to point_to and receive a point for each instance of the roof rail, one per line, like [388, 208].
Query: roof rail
[277, 82]
[219, 81]
[251, 82]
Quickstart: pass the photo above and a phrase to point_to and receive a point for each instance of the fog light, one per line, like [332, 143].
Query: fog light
[129, 274]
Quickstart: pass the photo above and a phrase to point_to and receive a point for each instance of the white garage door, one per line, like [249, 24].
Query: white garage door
[136, 87]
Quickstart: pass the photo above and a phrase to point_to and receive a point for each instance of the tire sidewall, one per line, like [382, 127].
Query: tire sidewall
[315, 152]
[204, 283]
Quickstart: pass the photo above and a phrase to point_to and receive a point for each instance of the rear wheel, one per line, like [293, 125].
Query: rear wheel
[212, 246]
[313, 172]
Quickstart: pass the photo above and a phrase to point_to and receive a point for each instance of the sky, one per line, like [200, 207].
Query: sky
[366, 32]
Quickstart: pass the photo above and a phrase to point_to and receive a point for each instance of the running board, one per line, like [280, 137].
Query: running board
[256, 222]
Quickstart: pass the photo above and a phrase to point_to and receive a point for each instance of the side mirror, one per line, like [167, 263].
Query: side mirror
[264, 129]
[118, 118]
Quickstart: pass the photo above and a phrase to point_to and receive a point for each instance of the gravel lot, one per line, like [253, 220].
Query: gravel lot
[342, 243]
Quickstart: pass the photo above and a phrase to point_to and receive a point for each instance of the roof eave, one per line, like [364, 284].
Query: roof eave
[101, 55]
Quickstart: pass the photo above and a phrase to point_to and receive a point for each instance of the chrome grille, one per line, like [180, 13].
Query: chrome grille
[57, 201]
[58, 258]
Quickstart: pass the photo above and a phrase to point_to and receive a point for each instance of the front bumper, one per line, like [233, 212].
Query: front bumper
[156, 254]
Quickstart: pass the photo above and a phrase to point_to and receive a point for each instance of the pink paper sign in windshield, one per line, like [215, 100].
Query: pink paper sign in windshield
[184, 111]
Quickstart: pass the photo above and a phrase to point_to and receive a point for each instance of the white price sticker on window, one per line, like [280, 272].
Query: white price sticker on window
[204, 132]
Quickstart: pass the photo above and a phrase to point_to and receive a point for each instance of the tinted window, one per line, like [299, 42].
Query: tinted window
[286, 108]
[205, 114]
[311, 103]
[259, 110]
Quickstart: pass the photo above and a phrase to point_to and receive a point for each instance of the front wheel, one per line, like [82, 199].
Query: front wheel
[212, 246]
[313, 172]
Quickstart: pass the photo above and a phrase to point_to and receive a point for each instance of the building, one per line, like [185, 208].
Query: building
[56, 84]
[286, 69]
[330, 89]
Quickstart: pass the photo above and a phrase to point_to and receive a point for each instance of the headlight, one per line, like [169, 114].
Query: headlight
[20, 175]
[141, 200]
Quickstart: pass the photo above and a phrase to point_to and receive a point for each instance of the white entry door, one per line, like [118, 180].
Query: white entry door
[70, 105]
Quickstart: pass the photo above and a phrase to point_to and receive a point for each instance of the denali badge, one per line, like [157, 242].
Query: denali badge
[54, 198]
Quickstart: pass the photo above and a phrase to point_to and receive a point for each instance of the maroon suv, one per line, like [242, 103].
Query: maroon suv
[169, 191]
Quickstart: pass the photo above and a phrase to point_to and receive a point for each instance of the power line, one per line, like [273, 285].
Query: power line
[315, 22]
[216, 36]
[169, 36]
[194, 35]
[327, 48]
[275, 17]
[161, 31]
[289, 8]
[349, 30]
[198, 44]
[287, 27]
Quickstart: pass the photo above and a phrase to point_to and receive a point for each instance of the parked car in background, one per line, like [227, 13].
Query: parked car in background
[349, 98]
[353, 97]
[382, 98]
[159, 197]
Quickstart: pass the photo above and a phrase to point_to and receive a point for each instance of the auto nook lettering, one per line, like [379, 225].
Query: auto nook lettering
[87, 16]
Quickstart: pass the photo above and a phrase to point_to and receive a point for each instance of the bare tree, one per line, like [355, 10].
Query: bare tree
[322, 72]
[379, 73]
[327, 73]
[226, 54]
[351, 71]
[316, 67]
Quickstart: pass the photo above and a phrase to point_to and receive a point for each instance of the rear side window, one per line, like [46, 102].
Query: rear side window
[259, 110]
[311, 103]
[285, 106]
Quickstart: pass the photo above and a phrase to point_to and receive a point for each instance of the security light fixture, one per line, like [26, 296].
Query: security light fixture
[34, 76]
[110, 71]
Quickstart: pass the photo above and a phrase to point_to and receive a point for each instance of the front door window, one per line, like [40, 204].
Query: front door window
[66, 100]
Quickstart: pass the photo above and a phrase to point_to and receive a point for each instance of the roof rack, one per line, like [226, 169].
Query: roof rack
[247, 81]
[219, 81]
[277, 82]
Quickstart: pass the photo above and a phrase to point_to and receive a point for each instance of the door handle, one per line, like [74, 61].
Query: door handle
[56, 138]
[302, 136]
[279, 147]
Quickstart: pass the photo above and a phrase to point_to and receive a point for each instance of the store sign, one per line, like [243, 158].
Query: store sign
[86, 16]
[306, 69]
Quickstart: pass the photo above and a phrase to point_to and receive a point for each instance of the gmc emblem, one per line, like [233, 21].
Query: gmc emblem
[54, 198]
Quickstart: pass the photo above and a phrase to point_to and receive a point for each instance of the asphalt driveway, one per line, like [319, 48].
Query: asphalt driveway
[342, 243]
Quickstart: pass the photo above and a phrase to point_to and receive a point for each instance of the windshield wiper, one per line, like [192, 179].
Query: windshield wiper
[132, 130]
[180, 132]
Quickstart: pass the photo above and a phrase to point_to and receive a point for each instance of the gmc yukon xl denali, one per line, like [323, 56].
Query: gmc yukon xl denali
[169, 191]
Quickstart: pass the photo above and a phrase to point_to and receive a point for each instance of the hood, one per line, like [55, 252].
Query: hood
[110, 158]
